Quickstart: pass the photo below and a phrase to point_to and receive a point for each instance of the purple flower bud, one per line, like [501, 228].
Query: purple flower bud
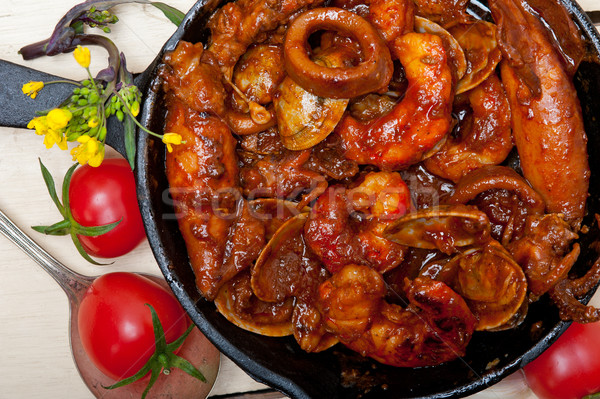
[107, 74]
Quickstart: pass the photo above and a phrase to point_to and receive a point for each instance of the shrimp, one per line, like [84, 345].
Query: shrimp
[189, 75]
[417, 123]
[434, 328]
[482, 139]
[546, 114]
[345, 226]
[392, 18]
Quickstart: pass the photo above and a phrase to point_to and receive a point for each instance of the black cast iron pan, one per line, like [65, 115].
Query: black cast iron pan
[279, 362]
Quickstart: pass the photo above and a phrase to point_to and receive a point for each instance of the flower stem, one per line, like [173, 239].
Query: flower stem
[128, 111]
[63, 81]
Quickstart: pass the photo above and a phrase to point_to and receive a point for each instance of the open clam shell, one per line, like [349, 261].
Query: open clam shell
[287, 270]
[492, 283]
[227, 303]
[305, 119]
[236, 299]
[444, 227]
[478, 41]
[272, 271]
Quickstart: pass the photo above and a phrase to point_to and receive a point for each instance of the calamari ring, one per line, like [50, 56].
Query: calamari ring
[496, 177]
[372, 74]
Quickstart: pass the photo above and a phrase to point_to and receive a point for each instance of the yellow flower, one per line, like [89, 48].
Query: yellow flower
[51, 136]
[90, 151]
[32, 88]
[55, 137]
[171, 138]
[82, 56]
[93, 122]
[40, 125]
[58, 118]
[135, 108]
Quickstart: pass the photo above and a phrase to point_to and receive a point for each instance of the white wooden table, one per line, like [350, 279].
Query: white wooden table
[35, 360]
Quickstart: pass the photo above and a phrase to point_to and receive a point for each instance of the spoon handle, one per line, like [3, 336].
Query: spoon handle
[74, 284]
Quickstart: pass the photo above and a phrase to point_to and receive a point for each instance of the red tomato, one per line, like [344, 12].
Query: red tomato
[102, 195]
[569, 368]
[115, 324]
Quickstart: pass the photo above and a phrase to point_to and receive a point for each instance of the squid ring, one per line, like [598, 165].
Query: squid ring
[496, 176]
[374, 72]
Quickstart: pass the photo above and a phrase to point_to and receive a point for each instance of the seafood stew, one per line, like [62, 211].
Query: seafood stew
[340, 372]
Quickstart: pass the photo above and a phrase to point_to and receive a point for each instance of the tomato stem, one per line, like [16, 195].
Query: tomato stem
[163, 359]
[68, 226]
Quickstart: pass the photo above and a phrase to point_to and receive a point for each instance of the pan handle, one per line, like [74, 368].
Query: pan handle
[594, 16]
[16, 109]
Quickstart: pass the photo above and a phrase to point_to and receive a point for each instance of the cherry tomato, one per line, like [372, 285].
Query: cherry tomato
[569, 368]
[115, 324]
[102, 195]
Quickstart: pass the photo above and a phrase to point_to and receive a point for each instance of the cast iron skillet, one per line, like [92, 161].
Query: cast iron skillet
[279, 362]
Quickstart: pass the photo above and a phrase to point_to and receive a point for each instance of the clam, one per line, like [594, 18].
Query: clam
[287, 269]
[491, 282]
[236, 302]
[478, 41]
[444, 227]
[305, 119]
[456, 55]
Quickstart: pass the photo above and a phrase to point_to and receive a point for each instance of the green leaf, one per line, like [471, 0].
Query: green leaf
[82, 252]
[93, 231]
[179, 341]
[129, 137]
[40, 229]
[182, 364]
[173, 14]
[61, 228]
[129, 126]
[163, 358]
[50, 185]
[140, 374]
[153, 378]
[159, 333]
[65, 191]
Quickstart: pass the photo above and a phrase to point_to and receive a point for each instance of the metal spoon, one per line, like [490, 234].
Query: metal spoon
[197, 349]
